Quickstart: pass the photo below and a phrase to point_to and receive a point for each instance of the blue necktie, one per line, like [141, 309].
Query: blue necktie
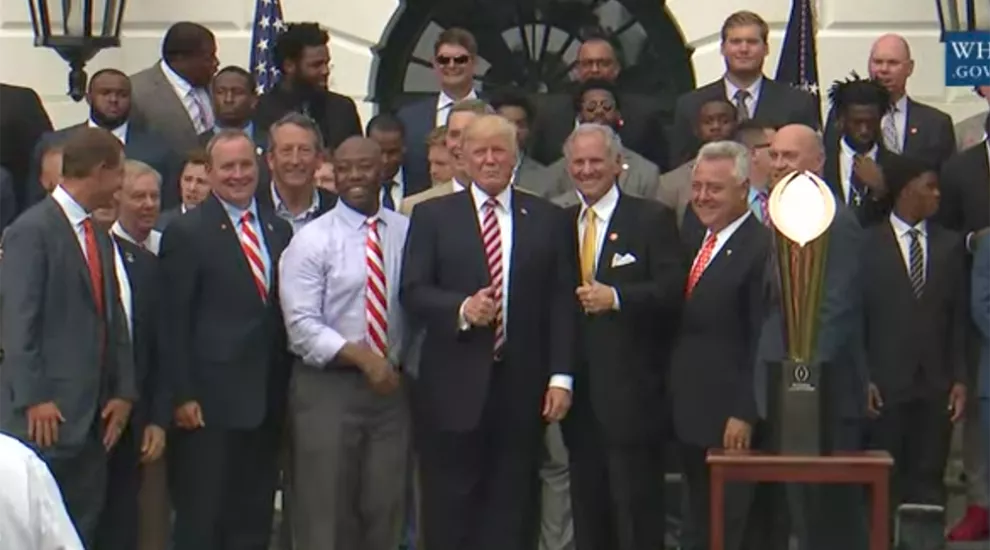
[388, 203]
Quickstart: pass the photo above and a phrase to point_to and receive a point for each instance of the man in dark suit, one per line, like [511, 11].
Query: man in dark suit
[830, 516]
[224, 342]
[854, 161]
[388, 131]
[454, 55]
[744, 47]
[171, 97]
[295, 152]
[69, 379]
[711, 368]
[642, 127]
[22, 123]
[485, 273]
[193, 187]
[914, 295]
[909, 128]
[109, 97]
[302, 54]
[629, 284]
[8, 199]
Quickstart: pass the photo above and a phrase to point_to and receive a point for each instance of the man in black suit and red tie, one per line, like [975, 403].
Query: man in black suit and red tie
[712, 386]
[486, 274]
[632, 282]
[224, 343]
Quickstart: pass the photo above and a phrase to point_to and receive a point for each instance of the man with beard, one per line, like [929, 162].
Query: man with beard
[597, 101]
[853, 163]
[303, 56]
[109, 98]
[351, 428]
[171, 96]
[454, 55]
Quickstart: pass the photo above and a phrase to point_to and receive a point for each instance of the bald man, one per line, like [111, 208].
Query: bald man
[910, 128]
[970, 131]
[834, 515]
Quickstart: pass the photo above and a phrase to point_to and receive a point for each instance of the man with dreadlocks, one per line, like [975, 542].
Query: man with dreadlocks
[853, 162]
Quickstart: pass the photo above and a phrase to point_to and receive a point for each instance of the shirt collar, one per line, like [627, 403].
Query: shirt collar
[900, 106]
[73, 210]
[754, 194]
[120, 132]
[901, 228]
[353, 218]
[247, 129]
[444, 101]
[458, 186]
[849, 152]
[280, 208]
[605, 206]
[731, 228]
[753, 89]
[235, 212]
[181, 85]
[504, 198]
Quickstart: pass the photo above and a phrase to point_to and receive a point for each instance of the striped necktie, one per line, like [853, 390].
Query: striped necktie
[376, 301]
[251, 245]
[916, 263]
[492, 237]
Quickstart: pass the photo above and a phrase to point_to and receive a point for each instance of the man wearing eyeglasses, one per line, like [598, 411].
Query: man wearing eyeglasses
[757, 137]
[454, 55]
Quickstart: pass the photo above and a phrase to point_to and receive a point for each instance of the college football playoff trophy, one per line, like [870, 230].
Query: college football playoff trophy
[801, 208]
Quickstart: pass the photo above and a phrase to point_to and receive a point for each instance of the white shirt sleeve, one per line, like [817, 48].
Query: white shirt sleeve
[50, 521]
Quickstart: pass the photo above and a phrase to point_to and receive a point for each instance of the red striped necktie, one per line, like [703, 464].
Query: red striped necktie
[376, 299]
[251, 245]
[492, 237]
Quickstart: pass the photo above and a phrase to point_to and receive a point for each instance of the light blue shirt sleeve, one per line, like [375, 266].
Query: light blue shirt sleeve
[302, 288]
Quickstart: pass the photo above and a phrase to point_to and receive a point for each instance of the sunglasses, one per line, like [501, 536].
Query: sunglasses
[458, 60]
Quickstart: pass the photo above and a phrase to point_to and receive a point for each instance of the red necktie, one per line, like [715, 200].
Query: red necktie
[375, 296]
[251, 246]
[93, 263]
[492, 237]
[700, 262]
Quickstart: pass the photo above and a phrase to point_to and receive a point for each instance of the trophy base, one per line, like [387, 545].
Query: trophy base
[796, 408]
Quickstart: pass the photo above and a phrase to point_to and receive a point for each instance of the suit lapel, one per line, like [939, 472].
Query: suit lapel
[274, 244]
[724, 259]
[70, 241]
[766, 100]
[467, 213]
[180, 116]
[609, 244]
[895, 259]
[912, 128]
[522, 234]
[229, 249]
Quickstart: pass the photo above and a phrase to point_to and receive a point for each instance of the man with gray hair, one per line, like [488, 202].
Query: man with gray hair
[711, 367]
[139, 203]
[631, 286]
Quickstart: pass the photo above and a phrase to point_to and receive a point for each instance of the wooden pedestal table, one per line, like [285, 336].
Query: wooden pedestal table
[862, 468]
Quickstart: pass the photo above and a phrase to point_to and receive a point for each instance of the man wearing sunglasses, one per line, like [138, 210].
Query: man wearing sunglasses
[454, 55]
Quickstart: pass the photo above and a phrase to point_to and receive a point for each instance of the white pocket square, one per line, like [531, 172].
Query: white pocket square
[619, 260]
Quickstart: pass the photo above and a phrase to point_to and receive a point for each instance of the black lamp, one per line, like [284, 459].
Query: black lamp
[963, 15]
[77, 30]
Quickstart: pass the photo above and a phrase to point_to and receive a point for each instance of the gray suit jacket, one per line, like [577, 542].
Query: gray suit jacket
[841, 324]
[674, 190]
[639, 178]
[531, 176]
[155, 106]
[51, 338]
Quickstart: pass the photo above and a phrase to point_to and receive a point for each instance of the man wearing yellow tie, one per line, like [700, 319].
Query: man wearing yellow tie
[632, 274]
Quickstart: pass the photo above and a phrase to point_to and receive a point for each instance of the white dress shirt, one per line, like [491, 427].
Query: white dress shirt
[901, 229]
[444, 103]
[899, 113]
[152, 243]
[754, 90]
[124, 288]
[398, 190]
[503, 216]
[195, 100]
[120, 132]
[32, 513]
[323, 278]
[603, 210]
[721, 238]
[846, 156]
[75, 213]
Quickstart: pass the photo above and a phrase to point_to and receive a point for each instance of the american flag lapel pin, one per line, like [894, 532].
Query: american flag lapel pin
[223, 226]
[524, 212]
[129, 257]
[269, 226]
[914, 130]
[728, 252]
[613, 236]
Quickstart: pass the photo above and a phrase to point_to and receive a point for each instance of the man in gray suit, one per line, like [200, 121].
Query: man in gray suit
[171, 96]
[68, 381]
[826, 517]
[515, 107]
[597, 101]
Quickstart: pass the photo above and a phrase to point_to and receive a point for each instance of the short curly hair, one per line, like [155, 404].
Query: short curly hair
[297, 37]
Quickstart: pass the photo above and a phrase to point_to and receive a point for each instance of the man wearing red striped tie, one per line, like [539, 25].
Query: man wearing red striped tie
[224, 344]
[488, 275]
[351, 429]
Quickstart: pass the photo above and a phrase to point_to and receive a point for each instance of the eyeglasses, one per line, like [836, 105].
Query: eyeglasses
[458, 60]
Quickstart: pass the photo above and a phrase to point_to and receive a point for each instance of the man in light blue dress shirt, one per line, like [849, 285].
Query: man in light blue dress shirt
[351, 427]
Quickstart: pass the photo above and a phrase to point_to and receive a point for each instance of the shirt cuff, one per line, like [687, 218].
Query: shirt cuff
[462, 322]
[562, 381]
[327, 348]
[969, 242]
[616, 304]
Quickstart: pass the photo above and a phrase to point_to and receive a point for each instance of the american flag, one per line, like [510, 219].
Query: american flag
[798, 65]
[268, 24]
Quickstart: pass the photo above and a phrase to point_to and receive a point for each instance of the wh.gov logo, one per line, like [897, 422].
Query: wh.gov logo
[967, 58]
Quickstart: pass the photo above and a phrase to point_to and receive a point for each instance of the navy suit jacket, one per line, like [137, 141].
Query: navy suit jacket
[418, 118]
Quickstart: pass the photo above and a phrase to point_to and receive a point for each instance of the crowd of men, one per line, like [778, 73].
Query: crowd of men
[479, 322]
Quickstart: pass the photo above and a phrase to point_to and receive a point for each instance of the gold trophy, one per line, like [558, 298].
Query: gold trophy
[801, 208]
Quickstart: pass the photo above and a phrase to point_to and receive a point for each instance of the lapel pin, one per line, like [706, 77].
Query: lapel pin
[613, 236]
[524, 212]
[269, 226]
[129, 257]
[914, 130]
[728, 252]
[223, 226]
[259, 151]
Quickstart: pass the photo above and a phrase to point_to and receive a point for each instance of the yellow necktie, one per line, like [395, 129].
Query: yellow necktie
[589, 242]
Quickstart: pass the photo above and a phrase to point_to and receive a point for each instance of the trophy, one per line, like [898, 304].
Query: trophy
[801, 208]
